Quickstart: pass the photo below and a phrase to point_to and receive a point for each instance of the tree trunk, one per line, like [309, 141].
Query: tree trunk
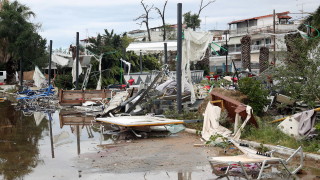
[263, 59]
[11, 71]
[164, 30]
[148, 30]
[246, 52]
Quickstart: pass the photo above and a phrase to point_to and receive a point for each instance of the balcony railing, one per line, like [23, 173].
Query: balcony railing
[234, 49]
[280, 28]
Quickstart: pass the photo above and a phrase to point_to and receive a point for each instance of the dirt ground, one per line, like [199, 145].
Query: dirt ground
[174, 153]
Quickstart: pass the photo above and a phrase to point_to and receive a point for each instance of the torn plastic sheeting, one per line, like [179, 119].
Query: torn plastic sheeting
[233, 107]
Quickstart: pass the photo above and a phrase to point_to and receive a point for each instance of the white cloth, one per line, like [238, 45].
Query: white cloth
[194, 47]
[249, 114]
[74, 72]
[211, 124]
[38, 77]
[59, 60]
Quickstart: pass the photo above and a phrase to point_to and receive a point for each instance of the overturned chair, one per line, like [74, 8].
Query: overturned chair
[252, 156]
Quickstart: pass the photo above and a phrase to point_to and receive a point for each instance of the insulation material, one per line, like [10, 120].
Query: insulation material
[290, 126]
[38, 77]
[211, 124]
[59, 60]
[74, 67]
[194, 46]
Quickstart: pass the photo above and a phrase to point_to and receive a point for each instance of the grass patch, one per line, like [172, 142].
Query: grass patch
[270, 134]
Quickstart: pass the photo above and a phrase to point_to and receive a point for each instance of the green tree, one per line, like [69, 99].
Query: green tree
[299, 76]
[18, 38]
[191, 20]
[256, 93]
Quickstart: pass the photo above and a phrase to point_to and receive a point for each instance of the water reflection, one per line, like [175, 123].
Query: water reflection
[46, 145]
[19, 136]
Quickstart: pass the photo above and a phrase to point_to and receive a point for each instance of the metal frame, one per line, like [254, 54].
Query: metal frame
[263, 166]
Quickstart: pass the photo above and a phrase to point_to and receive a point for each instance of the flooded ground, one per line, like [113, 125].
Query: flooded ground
[32, 146]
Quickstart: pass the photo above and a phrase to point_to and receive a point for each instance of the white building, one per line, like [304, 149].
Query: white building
[261, 31]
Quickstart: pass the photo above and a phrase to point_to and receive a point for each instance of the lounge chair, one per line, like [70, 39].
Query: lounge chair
[251, 156]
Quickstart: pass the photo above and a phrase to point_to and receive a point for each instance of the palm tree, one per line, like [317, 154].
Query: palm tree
[246, 52]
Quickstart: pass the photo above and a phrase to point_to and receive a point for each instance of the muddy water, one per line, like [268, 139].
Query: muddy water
[41, 146]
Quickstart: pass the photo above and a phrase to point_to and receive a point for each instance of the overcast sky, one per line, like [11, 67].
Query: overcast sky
[61, 19]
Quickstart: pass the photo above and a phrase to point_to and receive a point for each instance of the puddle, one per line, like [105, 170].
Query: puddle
[34, 147]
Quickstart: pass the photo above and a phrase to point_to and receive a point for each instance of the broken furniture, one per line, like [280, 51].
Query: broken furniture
[252, 156]
[77, 97]
[235, 108]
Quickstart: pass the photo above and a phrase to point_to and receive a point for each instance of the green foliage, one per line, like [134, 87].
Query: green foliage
[256, 92]
[299, 77]
[112, 46]
[64, 81]
[270, 134]
[19, 39]
[191, 20]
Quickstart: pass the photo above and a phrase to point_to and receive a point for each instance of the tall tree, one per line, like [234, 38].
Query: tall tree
[161, 13]
[18, 37]
[145, 17]
[191, 20]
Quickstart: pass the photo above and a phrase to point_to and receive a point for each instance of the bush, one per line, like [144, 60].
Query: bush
[257, 94]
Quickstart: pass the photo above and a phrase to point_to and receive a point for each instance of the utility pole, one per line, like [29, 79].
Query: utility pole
[165, 53]
[274, 37]
[226, 32]
[179, 58]
[77, 61]
[140, 62]
[50, 56]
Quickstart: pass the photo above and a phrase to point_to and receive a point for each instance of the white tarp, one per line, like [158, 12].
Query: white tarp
[38, 77]
[194, 47]
[74, 67]
[60, 60]
[152, 46]
[211, 124]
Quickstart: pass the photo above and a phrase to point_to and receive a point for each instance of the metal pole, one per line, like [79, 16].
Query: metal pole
[140, 61]
[51, 138]
[179, 58]
[77, 61]
[165, 53]
[274, 37]
[78, 139]
[226, 54]
[21, 73]
[50, 56]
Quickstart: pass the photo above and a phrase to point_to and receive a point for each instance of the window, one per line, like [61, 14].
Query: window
[268, 41]
[1, 73]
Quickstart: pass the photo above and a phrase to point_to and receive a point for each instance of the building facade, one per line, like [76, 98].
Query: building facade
[264, 32]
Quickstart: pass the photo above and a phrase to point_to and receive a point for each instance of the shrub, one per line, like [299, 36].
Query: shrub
[256, 93]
